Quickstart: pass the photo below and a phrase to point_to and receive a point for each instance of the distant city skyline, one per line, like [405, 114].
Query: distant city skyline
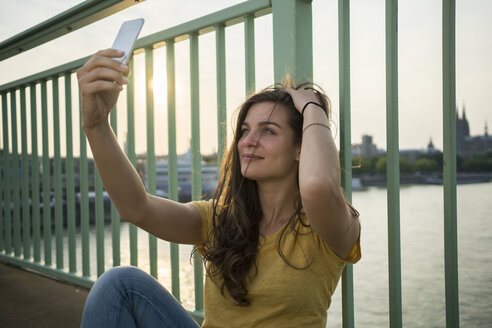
[420, 68]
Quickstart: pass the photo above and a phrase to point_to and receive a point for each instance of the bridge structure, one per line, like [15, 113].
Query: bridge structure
[40, 198]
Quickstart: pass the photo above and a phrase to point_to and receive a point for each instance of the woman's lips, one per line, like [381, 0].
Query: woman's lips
[251, 157]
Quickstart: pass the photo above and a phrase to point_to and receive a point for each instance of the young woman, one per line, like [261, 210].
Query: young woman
[275, 237]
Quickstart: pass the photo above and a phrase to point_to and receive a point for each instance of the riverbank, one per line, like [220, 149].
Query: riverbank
[379, 180]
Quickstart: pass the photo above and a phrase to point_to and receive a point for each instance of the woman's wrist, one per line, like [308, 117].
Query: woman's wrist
[310, 105]
[99, 127]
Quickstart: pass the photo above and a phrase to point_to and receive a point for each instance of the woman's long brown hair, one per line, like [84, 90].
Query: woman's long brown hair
[230, 251]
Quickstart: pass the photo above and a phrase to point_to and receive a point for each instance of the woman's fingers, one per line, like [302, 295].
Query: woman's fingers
[113, 53]
[105, 74]
[100, 86]
[301, 96]
[102, 65]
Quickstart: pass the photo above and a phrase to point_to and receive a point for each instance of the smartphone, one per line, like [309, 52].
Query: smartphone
[125, 40]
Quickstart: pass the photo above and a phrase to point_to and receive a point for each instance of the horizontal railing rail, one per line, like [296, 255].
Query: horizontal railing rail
[68, 21]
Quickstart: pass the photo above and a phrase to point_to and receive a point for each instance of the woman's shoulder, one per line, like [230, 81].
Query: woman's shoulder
[204, 207]
[306, 230]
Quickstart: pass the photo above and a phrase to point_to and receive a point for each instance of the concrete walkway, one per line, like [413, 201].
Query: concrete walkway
[30, 300]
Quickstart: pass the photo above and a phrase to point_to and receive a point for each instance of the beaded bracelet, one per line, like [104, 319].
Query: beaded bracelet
[311, 102]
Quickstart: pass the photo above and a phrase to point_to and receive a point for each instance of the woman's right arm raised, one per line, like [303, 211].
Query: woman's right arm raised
[100, 82]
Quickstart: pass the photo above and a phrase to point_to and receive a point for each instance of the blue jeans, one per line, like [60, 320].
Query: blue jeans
[129, 297]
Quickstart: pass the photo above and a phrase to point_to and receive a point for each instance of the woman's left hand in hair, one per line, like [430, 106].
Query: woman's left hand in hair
[301, 97]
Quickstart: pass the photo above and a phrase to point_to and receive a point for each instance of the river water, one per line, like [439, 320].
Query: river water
[422, 258]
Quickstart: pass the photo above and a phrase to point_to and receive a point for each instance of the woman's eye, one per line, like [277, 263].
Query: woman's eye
[269, 131]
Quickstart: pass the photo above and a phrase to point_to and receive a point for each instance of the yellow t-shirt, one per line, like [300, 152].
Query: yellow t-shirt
[279, 295]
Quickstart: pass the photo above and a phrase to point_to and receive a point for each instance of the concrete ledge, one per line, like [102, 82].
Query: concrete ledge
[28, 299]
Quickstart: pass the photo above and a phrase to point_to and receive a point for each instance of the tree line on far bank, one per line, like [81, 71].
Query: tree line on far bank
[426, 163]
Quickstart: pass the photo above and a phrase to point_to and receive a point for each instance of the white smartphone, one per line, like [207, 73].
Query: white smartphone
[125, 40]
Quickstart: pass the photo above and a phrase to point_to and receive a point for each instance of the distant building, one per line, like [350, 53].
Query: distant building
[430, 148]
[467, 145]
[366, 149]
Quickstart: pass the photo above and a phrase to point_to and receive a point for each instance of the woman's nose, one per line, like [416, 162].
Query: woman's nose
[251, 139]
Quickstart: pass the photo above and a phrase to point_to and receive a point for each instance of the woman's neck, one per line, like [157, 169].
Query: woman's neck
[277, 201]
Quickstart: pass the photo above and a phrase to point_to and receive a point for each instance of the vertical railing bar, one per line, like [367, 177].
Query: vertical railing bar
[115, 217]
[35, 177]
[221, 92]
[100, 217]
[393, 170]
[2, 183]
[249, 56]
[150, 160]
[172, 158]
[70, 179]
[84, 198]
[57, 175]
[6, 178]
[46, 176]
[196, 176]
[15, 174]
[292, 40]
[449, 159]
[26, 217]
[345, 144]
[130, 137]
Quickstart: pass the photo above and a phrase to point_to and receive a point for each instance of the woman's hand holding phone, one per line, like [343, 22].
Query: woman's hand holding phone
[102, 77]
[100, 82]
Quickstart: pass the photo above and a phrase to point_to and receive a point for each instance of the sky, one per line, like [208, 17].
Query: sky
[420, 67]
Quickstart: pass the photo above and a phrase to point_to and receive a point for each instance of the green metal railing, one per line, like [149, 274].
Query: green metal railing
[68, 21]
[393, 164]
[39, 175]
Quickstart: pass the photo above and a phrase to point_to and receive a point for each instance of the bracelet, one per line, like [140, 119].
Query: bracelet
[311, 102]
[317, 123]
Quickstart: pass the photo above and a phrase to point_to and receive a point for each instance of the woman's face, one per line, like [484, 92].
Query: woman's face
[266, 147]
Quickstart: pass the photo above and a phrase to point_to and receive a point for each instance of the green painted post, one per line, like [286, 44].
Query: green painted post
[35, 177]
[98, 188]
[26, 217]
[249, 56]
[6, 178]
[15, 174]
[393, 162]
[115, 217]
[46, 176]
[150, 161]
[345, 144]
[57, 176]
[292, 40]
[171, 119]
[130, 151]
[221, 93]
[84, 199]
[70, 179]
[196, 173]
[449, 170]
[3, 175]
[172, 158]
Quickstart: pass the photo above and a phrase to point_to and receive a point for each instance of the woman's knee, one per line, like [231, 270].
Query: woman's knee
[121, 273]
[119, 278]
